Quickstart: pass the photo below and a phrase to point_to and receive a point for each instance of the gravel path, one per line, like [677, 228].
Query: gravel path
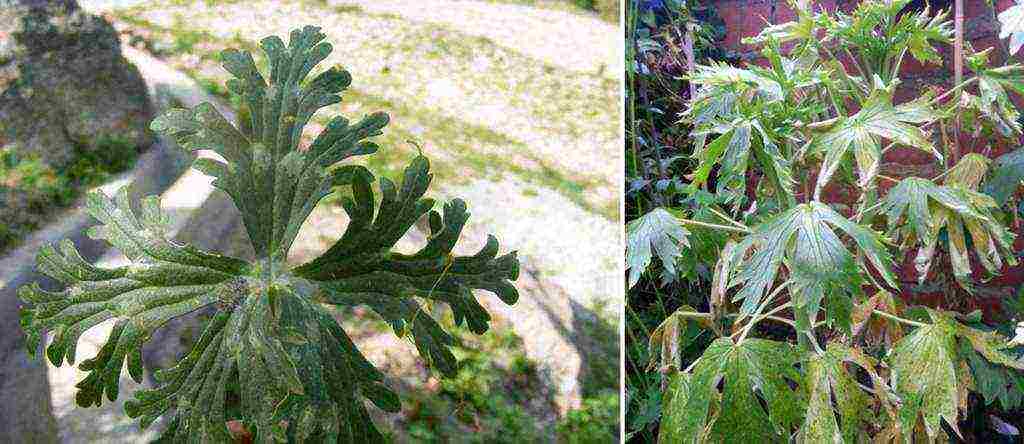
[571, 41]
[567, 119]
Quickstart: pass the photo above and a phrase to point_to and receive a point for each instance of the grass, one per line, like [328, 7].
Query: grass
[490, 398]
[37, 189]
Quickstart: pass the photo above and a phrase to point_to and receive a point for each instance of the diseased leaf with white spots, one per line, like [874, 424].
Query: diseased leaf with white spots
[918, 210]
[753, 372]
[660, 231]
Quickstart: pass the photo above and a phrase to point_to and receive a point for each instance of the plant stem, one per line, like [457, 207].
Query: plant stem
[727, 218]
[959, 86]
[757, 316]
[698, 223]
[958, 68]
[898, 319]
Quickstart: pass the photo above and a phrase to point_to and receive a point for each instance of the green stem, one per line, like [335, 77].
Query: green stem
[698, 223]
[899, 319]
[728, 219]
[757, 316]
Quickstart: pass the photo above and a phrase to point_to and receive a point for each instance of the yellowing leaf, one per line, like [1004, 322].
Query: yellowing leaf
[918, 210]
[862, 132]
[969, 172]
[753, 372]
[834, 390]
[924, 376]
[668, 336]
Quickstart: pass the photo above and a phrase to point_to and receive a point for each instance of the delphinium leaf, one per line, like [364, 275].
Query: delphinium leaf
[998, 375]
[271, 356]
[918, 210]
[756, 402]
[880, 31]
[660, 231]
[833, 390]
[164, 280]
[993, 100]
[924, 376]
[929, 371]
[732, 150]
[360, 269]
[1006, 176]
[272, 182]
[861, 133]
[805, 240]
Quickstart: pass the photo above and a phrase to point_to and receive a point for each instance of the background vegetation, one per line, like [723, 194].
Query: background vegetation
[660, 166]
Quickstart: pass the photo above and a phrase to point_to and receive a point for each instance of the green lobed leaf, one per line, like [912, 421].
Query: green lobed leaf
[924, 376]
[660, 231]
[918, 210]
[271, 356]
[1006, 176]
[753, 372]
[360, 269]
[164, 280]
[272, 182]
[804, 239]
[860, 134]
[993, 100]
[838, 409]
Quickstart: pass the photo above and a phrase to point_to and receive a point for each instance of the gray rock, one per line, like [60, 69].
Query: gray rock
[65, 85]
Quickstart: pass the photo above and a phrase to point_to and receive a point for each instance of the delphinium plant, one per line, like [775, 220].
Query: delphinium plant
[812, 340]
[298, 376]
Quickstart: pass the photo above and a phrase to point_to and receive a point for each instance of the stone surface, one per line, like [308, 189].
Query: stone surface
[65, 84]
[66, 92]
[25, 392]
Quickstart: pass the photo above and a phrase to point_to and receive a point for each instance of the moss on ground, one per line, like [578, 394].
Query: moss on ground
[31, 190]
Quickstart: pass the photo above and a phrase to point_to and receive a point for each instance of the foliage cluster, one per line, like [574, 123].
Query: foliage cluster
[657, 159]
[800, 332]
[270, 332]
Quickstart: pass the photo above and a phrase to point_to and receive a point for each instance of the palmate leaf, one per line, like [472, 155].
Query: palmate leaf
[297, 374]
[929, 371]
[165, 280]
[880, 31]
[659, 230]
[732, 150]
[805, 241]
[756, 402]
[993, 100]
[833, 389]
[802, 30]
[861, 133]
[717, 75]
[1006, 176]
[926, 378]
[918, 210]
